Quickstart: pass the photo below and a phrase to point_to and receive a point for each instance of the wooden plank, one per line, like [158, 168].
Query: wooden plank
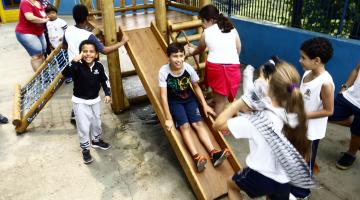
[147, 60]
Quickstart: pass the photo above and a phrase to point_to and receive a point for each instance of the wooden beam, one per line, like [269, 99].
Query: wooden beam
[204, 3]
[123, 10]
[17, 106]
[185, 25]
[183, 6]
[160, 17]
[119, 100]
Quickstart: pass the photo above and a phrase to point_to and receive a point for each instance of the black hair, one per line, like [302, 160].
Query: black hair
[80, 13]
[268, 67]
[209, 12]
[318, 47]
[174, 48]
[88, 42]
[50, 8]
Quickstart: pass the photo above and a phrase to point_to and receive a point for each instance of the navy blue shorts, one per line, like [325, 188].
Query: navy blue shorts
[343, 109]
[185, 112]
[256, 185]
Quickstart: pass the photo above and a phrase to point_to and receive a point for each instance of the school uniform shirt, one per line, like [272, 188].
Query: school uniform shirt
[87, 81]
[74, 36]
[313, 102]
[261, 158]
[25, 26]
[352, 94]
[222, 46]
[56, 31]
[178, 86]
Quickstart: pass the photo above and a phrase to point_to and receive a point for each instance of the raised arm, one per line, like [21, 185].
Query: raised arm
[235, 107]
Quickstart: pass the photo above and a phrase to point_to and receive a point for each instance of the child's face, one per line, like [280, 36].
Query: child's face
[52, 15]
[176, 60]
[89, 53]
[308, 63]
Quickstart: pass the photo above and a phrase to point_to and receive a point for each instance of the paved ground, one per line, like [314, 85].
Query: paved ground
[46, 163]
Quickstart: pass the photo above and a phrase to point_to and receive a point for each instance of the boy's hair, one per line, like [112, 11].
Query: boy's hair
[209, 12]
[318, 47]
[284, 87]
[50, 8]
[174, 48]
[80, 13]
[88, 42]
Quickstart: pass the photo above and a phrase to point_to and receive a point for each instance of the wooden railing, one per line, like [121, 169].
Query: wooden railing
[190, 5]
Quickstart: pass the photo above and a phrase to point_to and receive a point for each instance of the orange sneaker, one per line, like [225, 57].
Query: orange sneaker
[200, 163]
[316, 168]
[218, 156]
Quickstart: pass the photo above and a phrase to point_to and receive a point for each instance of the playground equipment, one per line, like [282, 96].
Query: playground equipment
[9, 11]
[30, 99]
[210, 184]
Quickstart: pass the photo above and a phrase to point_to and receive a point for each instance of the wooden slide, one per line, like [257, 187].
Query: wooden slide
[146, 49]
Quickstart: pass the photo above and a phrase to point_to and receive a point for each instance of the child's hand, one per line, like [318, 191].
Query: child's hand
[189, 50]
[107, 99]
[209, 110]
[124, 39]
[78, 57]
[169, 123]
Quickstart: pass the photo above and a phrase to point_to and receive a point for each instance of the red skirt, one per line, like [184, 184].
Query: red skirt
[223, 79]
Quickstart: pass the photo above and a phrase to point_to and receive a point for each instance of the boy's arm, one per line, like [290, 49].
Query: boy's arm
[350, 81]
[327, 96]
[199, 94]
[108, 49]
[169, 123]
[220, 123]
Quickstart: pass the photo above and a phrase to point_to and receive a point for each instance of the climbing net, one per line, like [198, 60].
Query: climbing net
[33, 90]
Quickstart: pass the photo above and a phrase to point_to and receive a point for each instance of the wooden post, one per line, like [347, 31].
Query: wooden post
[57, 3]
[119, 101]
[99, 5]
[204, 3]
[160, 17]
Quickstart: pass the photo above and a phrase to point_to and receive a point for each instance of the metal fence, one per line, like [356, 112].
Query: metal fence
[340, 18]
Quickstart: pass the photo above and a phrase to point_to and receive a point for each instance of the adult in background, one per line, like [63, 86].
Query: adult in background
[222, 65]
[30, 30]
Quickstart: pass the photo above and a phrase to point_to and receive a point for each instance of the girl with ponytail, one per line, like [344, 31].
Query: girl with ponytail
[222, 67]
[275, 124]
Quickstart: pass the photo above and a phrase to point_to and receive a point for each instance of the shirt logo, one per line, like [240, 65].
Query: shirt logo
[96, 71]
[307, 92]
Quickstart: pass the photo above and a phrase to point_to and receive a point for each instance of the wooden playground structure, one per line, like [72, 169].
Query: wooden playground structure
[149, 33]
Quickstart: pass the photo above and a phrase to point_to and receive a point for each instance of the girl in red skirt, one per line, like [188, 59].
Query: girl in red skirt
[222, 65]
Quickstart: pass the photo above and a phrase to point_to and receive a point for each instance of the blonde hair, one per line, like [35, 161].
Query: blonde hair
[284, 87]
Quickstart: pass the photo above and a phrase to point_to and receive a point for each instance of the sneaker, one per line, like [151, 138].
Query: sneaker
[72, 118]
[316, 168]
[200, 163]
[345, 161]
[101, 145]
[87, 156]
[218, 156]
[3, 120]
[68, 80]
